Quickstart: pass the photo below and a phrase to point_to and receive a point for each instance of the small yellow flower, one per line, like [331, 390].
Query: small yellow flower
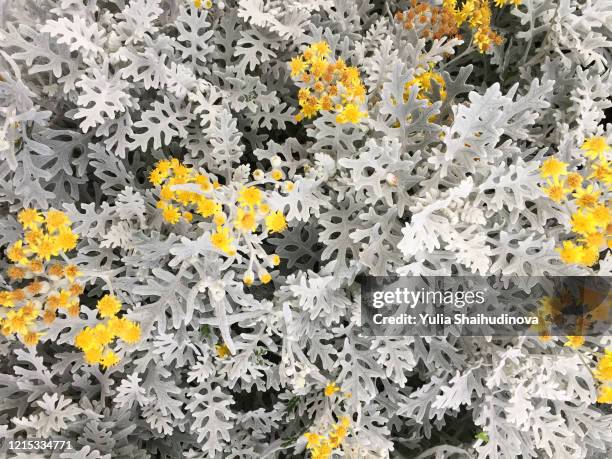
[574, 341]
[31, 338]
[297, 66]
[586, 197]
[130, 332]
[171, 214]
[554, 168]
[15, 273]
[276, 174]
[605, 395]
[16, 254]
[6, 299]
[246, 221]
[56, 220]
[30, 218]
[109, 359]
[275, 259]
[108, 306]
[583, 223]
[595, 148]
[93, 355]
[248, 278]
[264, 276]
[222, 240]
[71, 272]
[66, 239]
[350, 114]
[219, 218]
[573, 180]
[603, 372]
[250, 196]
[313, 440]
[570, 253]
[276, 222]
[331, 389]
[207, 207]
[47, 247]
[222, 351]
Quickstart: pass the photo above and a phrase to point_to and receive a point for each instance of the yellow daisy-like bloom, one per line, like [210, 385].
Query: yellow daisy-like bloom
[590, 256]
[350, 114]
[321, 48]
[103, 335]
[219, 218]
[605, 394]
[66, 239]
[573, 180]
[71, 272]
[130, 333]
[15, 273]
[554, 168]
[275, 259]
[250, 196]
[248, 278]
[109, 359]
[595, 240]
[297, 66]
[570, 253]
[93, 355]
[583, 223]
[16, 254]
[601, 215]
[30, 218]
[108, 306]
[313, 439]
[222, 351]
[586, 197]
[56, 220]
[32, 338]
[595, 148]
[603, 372]
[208, 207]
[276, 174]
[601, 172]
[331, 389]
[264, 276]
[276, 222]
[574, 341]
[222, 240]
[171, 214]
[246, 221]
[47, 247]
[6, 299]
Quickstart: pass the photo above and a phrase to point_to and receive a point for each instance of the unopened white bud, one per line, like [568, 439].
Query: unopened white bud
[275, 161]
[391, 179]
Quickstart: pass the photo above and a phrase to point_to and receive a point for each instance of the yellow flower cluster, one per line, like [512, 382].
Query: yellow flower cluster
[327, 85]
[555, 310]
[41, 286]
[424, 83]
[332, 388]
[592, 218]
[207, 4]
[322, 446]
[248, 210]
[95, 341]
[446, 20]
[603, 373]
